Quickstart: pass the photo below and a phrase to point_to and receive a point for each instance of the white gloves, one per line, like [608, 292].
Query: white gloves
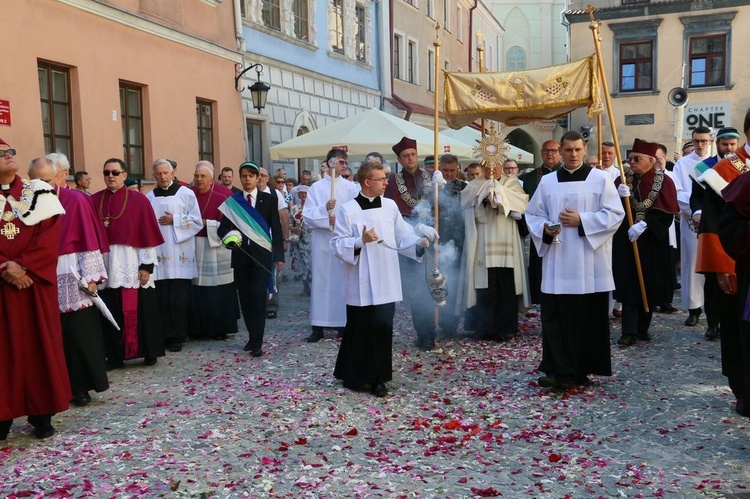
[484, 191]
[636, 230]
[428, 232]
[514, 215]
[437, 178]
[623, 190]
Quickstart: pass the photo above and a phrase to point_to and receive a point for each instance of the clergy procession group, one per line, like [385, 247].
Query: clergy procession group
[134, 275]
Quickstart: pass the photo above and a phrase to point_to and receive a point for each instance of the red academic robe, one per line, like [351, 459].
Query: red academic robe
[33, 373]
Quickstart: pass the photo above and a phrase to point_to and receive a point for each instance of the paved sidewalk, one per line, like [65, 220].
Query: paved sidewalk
[467, 420]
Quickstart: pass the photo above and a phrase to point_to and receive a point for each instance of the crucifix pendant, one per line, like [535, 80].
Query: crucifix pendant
[10, 231]
[106, 222]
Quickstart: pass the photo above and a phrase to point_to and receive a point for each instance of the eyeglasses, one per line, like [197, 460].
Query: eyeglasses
[381, 179]
[550, 151]
[114, 173]
[701, 141]
[346, 176]
[6, 152]
[339, 160]
[636, 159]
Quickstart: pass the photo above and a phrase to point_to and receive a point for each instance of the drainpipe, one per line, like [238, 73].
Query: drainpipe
[238, 26]
[393, 94]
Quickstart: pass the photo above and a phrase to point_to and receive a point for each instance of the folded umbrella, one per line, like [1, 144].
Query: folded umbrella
[84, 287]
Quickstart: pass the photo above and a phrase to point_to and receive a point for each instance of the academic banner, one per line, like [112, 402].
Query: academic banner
[518, 97]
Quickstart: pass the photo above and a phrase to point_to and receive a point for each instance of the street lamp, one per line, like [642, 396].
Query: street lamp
[258, 90]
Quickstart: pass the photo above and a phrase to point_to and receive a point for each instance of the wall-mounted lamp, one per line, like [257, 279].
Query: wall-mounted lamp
[258, 90]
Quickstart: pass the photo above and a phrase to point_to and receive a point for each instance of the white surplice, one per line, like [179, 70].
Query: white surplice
[176, 256]
[372, 277]
[327, 305]
[578, 265]
[691, 281]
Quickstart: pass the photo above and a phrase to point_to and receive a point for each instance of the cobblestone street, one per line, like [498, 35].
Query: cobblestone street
[466, 420]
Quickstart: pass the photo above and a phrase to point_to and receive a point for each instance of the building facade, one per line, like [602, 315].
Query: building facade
[534, 37]
[322, 60]
[651, 48]
[131, 79]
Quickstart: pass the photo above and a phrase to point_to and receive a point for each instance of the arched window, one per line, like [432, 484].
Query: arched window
[515, 59]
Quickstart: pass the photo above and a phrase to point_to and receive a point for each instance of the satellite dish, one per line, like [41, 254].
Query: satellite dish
[678, 96]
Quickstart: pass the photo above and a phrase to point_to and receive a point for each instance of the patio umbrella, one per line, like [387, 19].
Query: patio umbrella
[372, 130]
[470, 135]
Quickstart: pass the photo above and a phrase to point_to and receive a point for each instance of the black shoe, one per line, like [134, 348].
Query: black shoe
[284, 278]
[316, 335]
[379, 390]
[693, 316]
[739, 408]
[271, 315]
[42, 426]
[547, 381]
[712, 333]
[81, 399]
[149, 361]
[341, 332]
[667, 308]
[174, 346]
[425, 345]
[247, 347]
[297, 278]
[256, 352]
[644, 336]
[581, 380]
[627, 340]
[555, 382]
[221, 337]
[42, 432]
[5, 429]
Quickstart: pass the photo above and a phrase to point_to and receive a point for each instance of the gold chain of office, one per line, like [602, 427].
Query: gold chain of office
[404, 190]
[640, 207]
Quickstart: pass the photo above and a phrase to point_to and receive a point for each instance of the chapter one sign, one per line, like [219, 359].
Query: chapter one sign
[713, 115]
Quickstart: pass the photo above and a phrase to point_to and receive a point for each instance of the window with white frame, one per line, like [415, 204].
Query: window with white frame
[430, 71]
[301, 12]
[411, 62]
[398, 42]
[447, 13]
[336, 25]
[360, 33]
[290, 19]
[459, 24]
[272, 14]
[431, 9]
[515, 59]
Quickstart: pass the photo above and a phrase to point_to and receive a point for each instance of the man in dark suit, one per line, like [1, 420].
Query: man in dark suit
[251, 221]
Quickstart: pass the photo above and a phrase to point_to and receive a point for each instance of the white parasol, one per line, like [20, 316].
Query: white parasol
[84, 287]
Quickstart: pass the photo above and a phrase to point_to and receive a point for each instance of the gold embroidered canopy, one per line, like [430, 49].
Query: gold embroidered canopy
[518, 97]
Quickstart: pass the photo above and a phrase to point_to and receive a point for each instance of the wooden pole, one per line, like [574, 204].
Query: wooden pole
[599, 137]
[594, 27]
[480, 61]
[436, 144]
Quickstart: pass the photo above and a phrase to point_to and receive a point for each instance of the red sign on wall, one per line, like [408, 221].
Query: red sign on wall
[5, 112]
[343, 148]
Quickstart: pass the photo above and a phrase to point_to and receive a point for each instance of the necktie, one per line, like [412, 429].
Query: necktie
[250, 200]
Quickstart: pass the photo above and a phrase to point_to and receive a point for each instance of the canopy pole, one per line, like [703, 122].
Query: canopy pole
[594, 27]
[436, 160]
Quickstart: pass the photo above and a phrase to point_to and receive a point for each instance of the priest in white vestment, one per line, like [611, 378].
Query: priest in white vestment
[691, 281]
[576, 266]
[493, 274]
[327, 304]
[372, 280]
[176, 208]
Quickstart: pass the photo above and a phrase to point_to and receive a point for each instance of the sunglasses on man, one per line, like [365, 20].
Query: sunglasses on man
[6, 152]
